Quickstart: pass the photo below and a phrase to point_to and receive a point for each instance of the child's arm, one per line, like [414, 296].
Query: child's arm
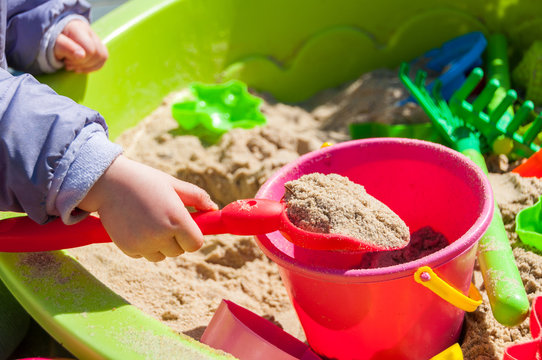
[56, 160]
[42, 134]
[33, 27]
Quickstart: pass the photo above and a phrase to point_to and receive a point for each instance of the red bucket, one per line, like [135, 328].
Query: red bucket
[383, 313]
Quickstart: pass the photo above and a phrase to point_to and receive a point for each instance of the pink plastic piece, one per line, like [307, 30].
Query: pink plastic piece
[382, 313]
[248, 336]
[531, 349]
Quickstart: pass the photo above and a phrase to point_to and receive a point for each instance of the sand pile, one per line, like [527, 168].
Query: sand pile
[333, 204]
[184, 292]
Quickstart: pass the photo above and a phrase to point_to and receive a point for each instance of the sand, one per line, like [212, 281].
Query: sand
[333, 204]
[184, 292]
[423, 242]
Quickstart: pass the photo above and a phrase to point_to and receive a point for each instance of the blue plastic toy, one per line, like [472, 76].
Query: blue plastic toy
[456, 58]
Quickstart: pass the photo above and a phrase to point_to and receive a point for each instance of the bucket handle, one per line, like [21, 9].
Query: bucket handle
[428, 278]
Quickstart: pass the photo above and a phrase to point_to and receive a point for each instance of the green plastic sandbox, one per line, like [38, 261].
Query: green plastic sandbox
[291, 49]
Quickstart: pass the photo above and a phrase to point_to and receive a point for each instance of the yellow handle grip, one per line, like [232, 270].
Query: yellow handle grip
[452, 353]
[427, 277]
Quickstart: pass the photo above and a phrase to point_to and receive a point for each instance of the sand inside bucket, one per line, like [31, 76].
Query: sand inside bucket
[184, 292]
[333, 204]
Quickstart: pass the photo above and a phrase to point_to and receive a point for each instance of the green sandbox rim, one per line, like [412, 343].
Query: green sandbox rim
[160, 46]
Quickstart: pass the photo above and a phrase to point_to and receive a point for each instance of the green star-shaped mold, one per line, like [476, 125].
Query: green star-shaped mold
[216, 109]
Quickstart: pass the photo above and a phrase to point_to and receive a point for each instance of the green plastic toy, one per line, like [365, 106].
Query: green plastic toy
[529, 225]
[497, 123]
[216, 109]
[497, 66]
[422, 131]
[502, 279]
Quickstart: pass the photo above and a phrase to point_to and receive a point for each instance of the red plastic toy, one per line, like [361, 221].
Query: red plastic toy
[241, 217]
[532, 349]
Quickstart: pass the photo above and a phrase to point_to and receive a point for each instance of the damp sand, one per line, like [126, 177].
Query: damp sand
[184, 292]
[423, 242]
[333, 204]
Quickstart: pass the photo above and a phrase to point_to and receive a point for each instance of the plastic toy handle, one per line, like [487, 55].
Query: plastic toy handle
[242, 217]
[505, 289]
[498, 68]
[428, 278]
[497, 56]
[21, 234]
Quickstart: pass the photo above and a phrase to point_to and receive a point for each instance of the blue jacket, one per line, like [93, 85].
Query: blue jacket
[52, 150]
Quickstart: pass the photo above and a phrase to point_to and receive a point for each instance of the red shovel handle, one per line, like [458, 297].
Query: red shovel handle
[247, 217]
[21, 234]
[241, 217]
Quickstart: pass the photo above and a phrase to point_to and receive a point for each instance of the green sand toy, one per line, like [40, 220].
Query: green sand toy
[502, 279]
[529, 225]
[217, 108]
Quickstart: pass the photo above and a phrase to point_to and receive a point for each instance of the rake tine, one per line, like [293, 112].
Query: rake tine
[420, 79]
[485, 96]
[533, 130]
[521, 115]
[468, 86]
[419, 92]
[495, 115]
[442, 105]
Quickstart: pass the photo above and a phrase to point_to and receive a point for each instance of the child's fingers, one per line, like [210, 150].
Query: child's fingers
[172, 249]
[66, 48]
[187, 233]
[155, 257]
[71, 66]
[81, 34]
[192, 195]
[94, 53]
[101, 49]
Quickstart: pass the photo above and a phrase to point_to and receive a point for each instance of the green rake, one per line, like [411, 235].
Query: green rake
[496, 123]
[502, 279]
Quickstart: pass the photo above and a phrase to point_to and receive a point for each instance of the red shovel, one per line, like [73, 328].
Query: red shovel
[241, 217]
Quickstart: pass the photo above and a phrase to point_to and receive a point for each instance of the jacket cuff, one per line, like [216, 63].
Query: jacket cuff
[46, 59]
[69, 187]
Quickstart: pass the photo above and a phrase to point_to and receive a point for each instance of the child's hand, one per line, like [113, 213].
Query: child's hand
[143, 210]
[80, 48]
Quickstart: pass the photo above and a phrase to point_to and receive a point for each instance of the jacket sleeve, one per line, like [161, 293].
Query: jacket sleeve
[32, 29]
[52, 150]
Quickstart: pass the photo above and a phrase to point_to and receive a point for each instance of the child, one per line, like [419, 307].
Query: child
[55, 157]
